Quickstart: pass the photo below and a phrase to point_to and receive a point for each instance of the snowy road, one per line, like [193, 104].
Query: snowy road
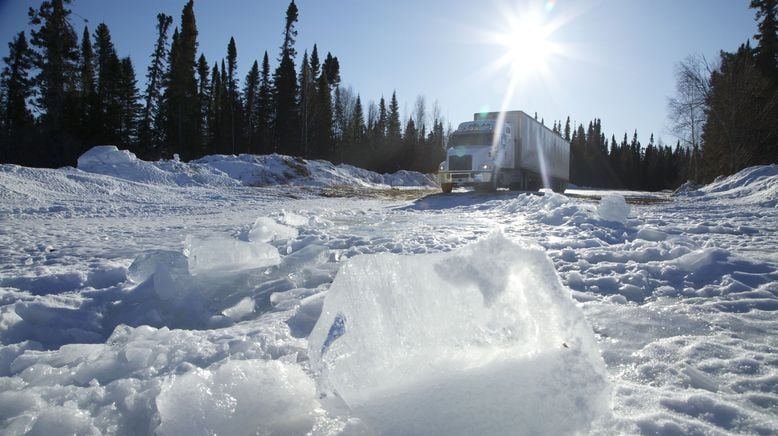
[132, 307]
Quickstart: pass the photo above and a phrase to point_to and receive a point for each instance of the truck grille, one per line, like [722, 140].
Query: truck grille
[460, 163]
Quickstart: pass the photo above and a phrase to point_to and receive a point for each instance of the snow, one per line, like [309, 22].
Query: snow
[169, 297]
[242, 170]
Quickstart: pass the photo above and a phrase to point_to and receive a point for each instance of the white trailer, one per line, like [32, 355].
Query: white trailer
[505, 149]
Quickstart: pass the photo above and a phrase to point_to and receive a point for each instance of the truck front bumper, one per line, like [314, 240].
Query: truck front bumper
[464, 178]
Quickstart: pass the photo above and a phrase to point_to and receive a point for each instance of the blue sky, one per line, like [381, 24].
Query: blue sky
[616, 59]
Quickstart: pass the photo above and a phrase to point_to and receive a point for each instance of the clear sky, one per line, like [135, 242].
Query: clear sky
[612, 59]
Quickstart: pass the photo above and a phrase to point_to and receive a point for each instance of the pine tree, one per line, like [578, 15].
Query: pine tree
[355, 146]
[214, 112]
[108, 107]
[393, 136]
[767, 50]
[383, 120]
[152, 122]
[17, 120]
[740, 96]
[181, 96]
[130, 108]
[307, 97]
[567, 130]
[204, 103]
[409, 144]
[315, 63]
[321, 139]
[234, 111]
[251, 104]
[285, 79]
[88, 91]
[225, 145]
[331, 67]
[55, 58]
[265, 108]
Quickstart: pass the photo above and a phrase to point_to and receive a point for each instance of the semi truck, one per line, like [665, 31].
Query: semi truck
[505, 150]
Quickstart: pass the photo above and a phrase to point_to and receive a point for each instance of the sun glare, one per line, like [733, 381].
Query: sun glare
[527, 45]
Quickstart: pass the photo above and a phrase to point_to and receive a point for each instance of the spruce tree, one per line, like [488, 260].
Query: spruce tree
[286, 123]
[355, 142]
[321, 139]
[204, 102]
[234, 107]
[265, 108]
[17, 86]
[393, 143]
[331, 66]
[214, 111]
[741, 95]
[130, 108]
[250, 108]
[151, 130]
[88, 91]
[55, 59]
[181, 94]
[108, 108]
[307, 97]
[767, 49]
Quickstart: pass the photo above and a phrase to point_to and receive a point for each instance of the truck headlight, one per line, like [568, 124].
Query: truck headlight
[487, 166]
[442, 166]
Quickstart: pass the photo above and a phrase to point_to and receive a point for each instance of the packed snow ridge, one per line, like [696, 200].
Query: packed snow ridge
[175, 298]
[242, 170]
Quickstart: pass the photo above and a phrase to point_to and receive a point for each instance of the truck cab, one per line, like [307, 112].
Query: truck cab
[475, 150]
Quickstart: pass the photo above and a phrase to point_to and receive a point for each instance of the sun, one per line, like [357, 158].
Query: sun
[528, 45]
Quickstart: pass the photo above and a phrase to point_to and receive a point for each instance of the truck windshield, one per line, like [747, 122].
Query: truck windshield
[470, 139]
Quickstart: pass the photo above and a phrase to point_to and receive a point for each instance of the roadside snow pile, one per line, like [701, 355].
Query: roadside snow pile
[482, 340]
[755, 185]
[244, 169]
[109, 160]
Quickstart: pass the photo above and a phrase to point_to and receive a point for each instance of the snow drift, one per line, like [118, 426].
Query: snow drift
[483, 340]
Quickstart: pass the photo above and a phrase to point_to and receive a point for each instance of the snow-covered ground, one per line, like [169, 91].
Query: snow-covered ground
[201, 298]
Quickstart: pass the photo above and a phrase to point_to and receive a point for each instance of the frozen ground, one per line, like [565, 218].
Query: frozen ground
[174, 298]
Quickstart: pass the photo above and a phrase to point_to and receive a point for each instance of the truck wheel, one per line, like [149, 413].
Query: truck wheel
[558, 186]
[496, 180]
[446, 187]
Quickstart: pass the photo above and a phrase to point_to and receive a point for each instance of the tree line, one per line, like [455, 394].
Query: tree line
[60, 96]
[726, 111]
[600, 162]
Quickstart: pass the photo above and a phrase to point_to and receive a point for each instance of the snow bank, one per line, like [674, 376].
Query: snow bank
[109, 160]
[481, 340]
[755, 185]
[244, 169]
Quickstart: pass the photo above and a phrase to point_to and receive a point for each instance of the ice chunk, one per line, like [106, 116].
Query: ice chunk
[293, 219]
[239, 311]
[151, 262]
[613, 208]
[266, 229]
[240, 398]
[227, 255]
[481, 340]
[651, 234]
